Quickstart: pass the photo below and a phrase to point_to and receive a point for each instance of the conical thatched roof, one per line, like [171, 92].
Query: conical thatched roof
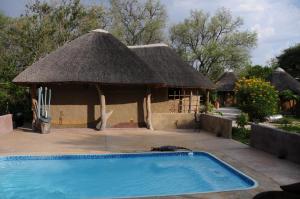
[281, 80]
[174, 71]
[96, 57]
[226, 82]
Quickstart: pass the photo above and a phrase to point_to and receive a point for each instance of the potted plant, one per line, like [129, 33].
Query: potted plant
[214, 100]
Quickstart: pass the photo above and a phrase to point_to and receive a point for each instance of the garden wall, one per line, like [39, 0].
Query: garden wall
[164, 121]
[6, 124]
[281, 143]
[220, 126]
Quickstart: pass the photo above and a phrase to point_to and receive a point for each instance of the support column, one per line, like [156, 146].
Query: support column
[34, 107]
[207, 100]
[104, 115]
[149, 112]
[190, 101]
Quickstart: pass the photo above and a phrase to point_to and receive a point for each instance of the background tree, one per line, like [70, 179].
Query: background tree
[289, 60]
[257, 71]
[216, 42]
[138, 22]
[43, 28]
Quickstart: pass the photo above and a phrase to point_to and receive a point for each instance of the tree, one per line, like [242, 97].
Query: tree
[289, 60]
[257, 98]
[216, 42]
[257, 71]
[43, 28]
[138, 22]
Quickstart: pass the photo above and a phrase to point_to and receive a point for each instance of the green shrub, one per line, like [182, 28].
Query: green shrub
[288, 95]
[242, 120]
[241, 135]
[14, 99]
[256, 97]
[213, 96]
[210, 107]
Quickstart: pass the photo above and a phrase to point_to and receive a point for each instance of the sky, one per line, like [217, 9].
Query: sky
[277, 22]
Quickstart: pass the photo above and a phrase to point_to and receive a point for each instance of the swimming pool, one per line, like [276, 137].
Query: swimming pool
[117, 175]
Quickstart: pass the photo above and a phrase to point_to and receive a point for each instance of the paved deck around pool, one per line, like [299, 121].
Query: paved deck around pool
[269, 171]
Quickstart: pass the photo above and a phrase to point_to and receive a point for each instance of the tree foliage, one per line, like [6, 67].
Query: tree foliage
[216, 42]
[289, 60]
[47, 25]
[138, 22]
[257, 71]
[43, 28]
[256, 97]
[288, 95]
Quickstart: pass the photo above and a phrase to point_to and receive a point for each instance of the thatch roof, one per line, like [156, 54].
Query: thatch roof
[226, 82]
[96, 57]
[281, 80]
[174, 71]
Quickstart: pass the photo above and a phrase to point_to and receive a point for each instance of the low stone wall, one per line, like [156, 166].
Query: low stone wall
[220, 126]
[6, 124]
[281, 143]
[164, 121]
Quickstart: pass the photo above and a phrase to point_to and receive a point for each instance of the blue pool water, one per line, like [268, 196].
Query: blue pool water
[116, 175]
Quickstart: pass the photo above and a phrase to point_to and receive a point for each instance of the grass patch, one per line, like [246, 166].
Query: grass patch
[241, 134]
[288, 123]
[290, 128]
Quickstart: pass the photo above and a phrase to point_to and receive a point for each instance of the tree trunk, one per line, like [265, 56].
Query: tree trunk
[148, 107]
[104, 115]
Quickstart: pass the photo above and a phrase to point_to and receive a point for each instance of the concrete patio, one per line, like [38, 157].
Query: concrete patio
[267, 170]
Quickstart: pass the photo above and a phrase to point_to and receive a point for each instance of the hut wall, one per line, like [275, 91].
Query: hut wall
[160, 101]
[75, 105]
[78, 106]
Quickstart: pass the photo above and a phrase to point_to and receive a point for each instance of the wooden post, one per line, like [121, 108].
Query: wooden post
[190, 101]
[34, 107]
[104, 115]
[207, 100]
[149, 112]
[197, 101]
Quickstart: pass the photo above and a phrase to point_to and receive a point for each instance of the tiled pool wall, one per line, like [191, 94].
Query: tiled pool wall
[225, 165]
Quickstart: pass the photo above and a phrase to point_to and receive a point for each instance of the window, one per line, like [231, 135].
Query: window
[184, 100]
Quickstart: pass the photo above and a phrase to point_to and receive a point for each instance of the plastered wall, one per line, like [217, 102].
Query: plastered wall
[77, 105]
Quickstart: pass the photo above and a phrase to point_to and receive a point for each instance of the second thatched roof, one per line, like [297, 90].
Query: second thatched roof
[173, 70]
[226, 82]
[281, 80]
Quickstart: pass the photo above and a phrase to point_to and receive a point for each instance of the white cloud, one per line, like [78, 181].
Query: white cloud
[248, 7]
[277, 23]
[263, 32]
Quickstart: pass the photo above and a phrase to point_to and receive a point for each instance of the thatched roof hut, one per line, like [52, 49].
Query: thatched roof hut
[173, 70]
[226, 82]
[284, 81]
[96, 72]
[96, 57]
